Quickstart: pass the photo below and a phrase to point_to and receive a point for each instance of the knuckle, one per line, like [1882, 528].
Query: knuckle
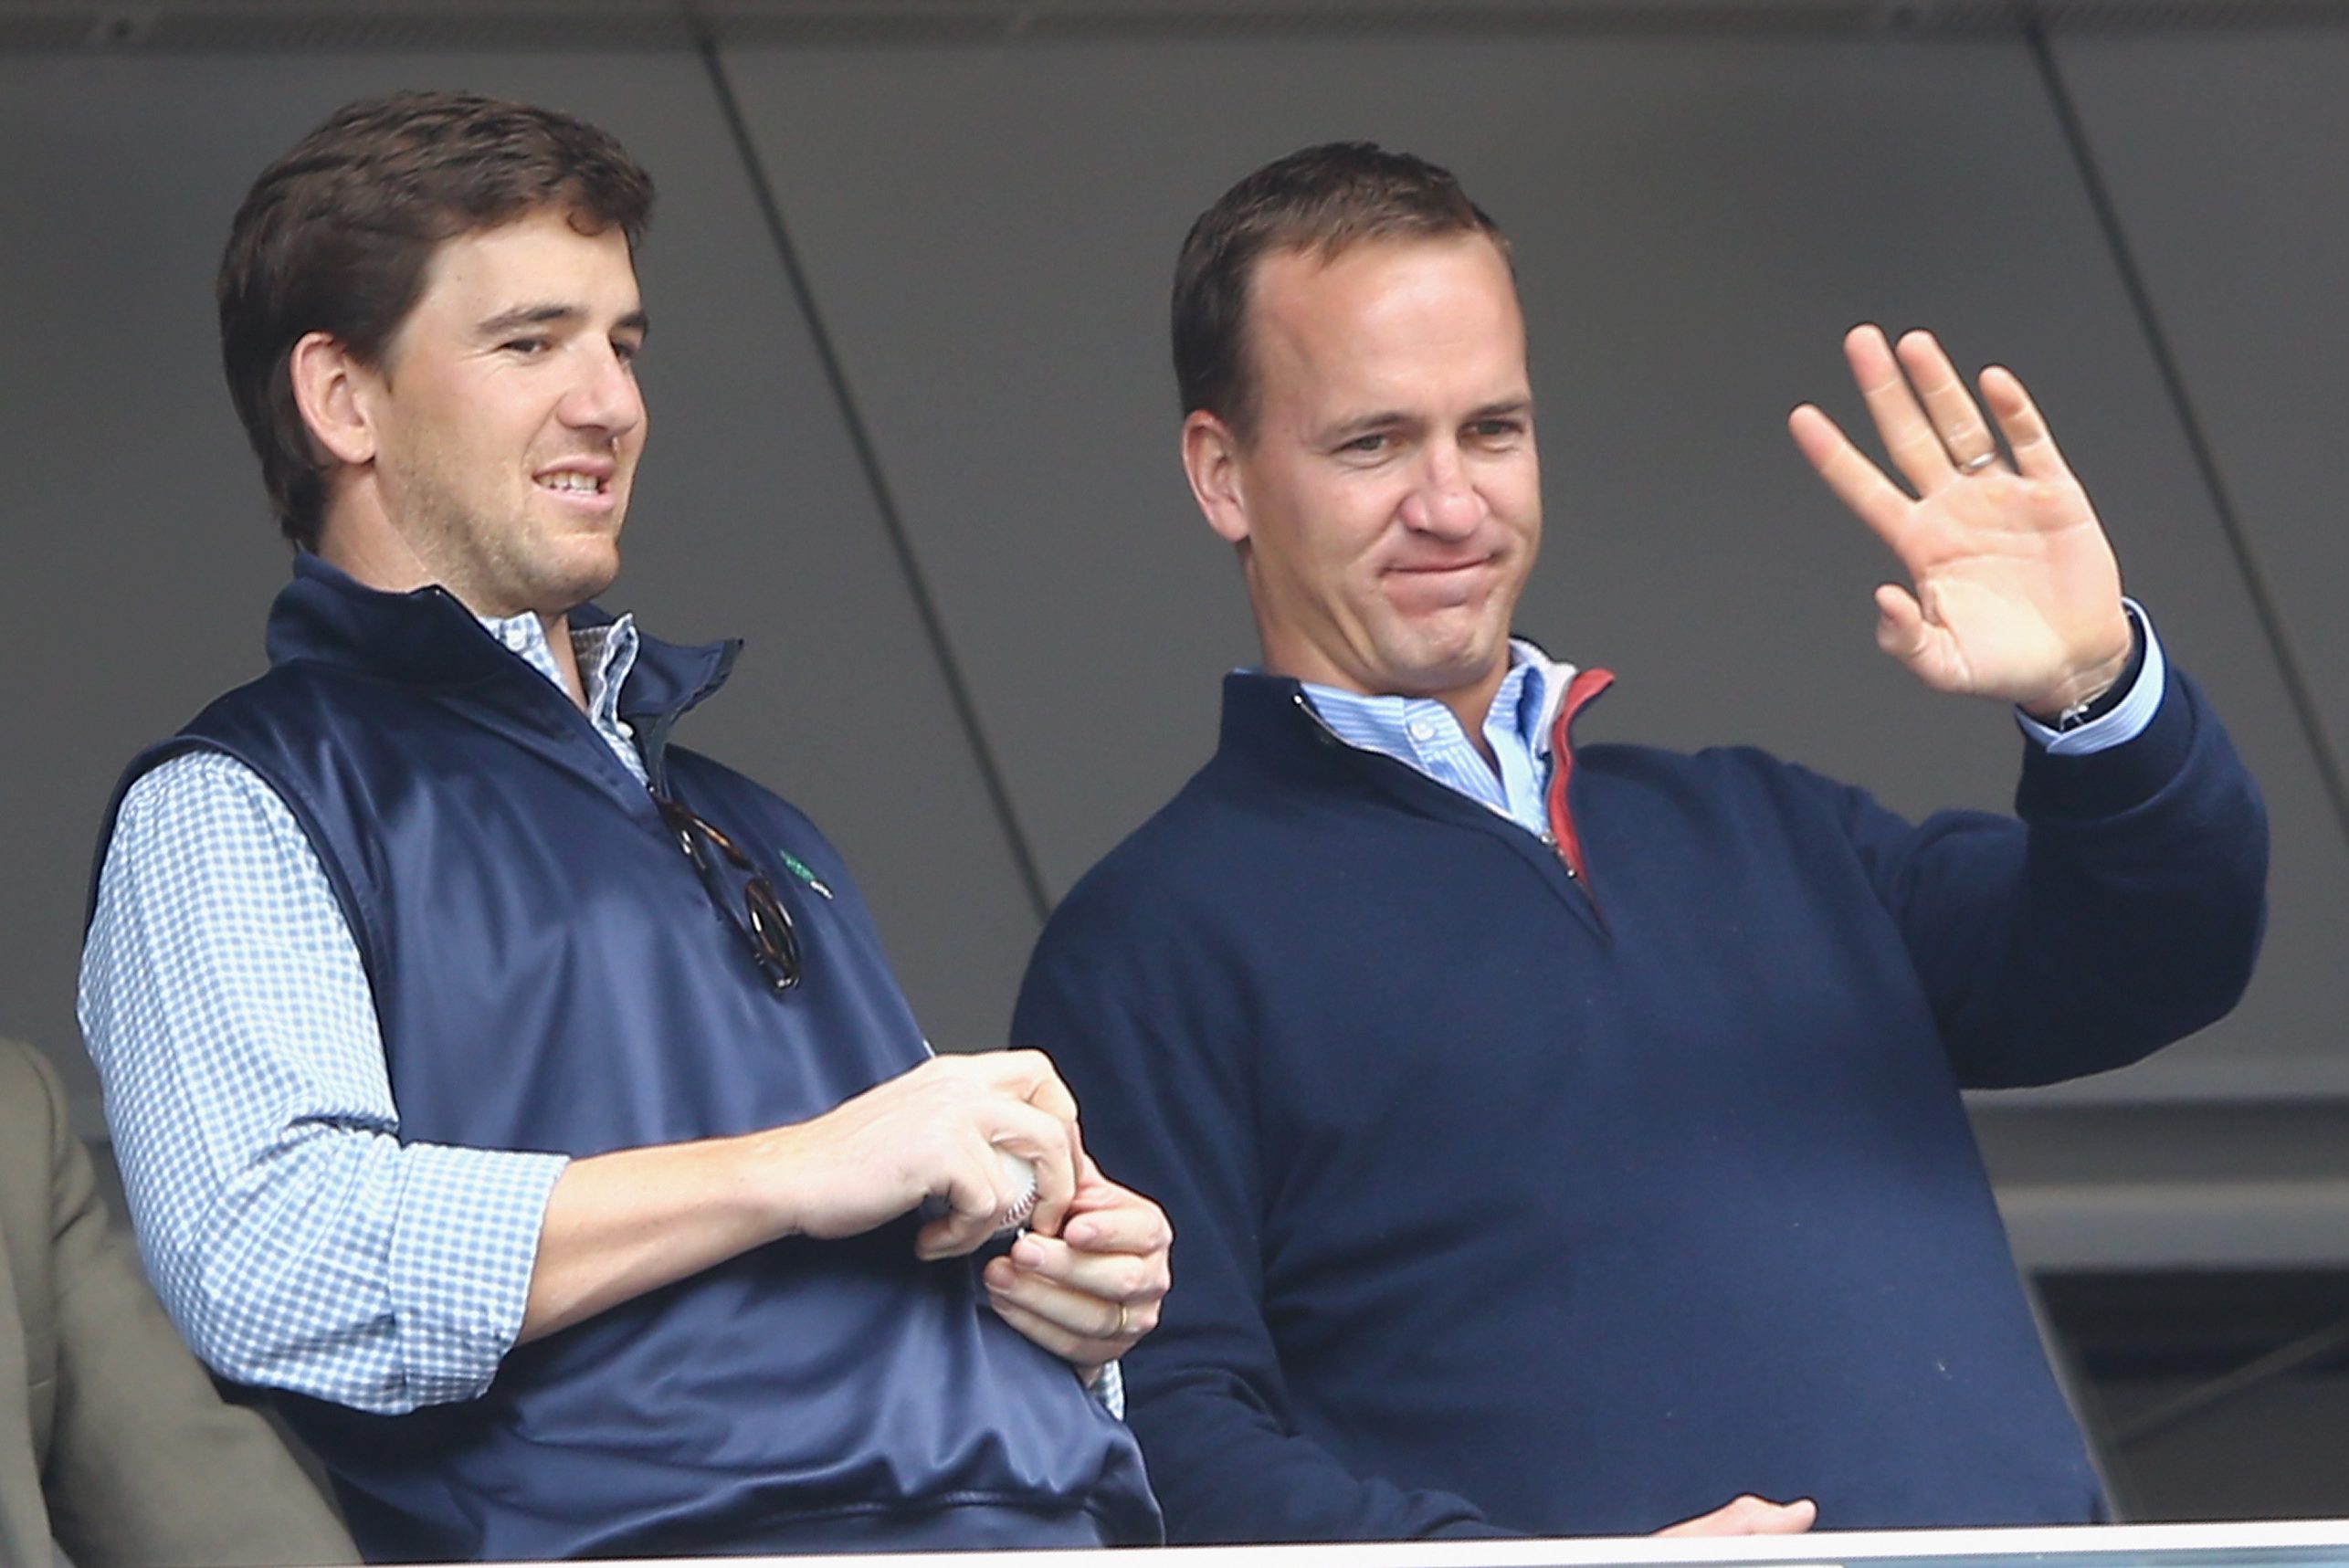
[1025, 1063]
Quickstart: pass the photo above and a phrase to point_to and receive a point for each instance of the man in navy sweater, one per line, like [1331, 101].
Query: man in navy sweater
[1563, 1140]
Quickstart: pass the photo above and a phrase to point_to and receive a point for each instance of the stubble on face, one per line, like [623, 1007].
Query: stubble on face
[1392, 484]
[510, 421]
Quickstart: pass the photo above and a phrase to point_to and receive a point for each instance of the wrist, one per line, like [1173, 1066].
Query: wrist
[761, 1183]
[2087, 694]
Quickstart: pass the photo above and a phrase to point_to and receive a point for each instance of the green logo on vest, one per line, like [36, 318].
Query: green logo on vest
[798, 869]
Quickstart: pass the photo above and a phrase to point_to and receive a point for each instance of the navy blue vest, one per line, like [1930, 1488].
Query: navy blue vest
[551, 974]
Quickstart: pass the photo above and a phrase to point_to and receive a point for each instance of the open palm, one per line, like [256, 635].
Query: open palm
[2014, 593]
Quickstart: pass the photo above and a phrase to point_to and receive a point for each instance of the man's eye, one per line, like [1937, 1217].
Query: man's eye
[1491, 431]
[626, 351]
[1371, 445]
[525, 348]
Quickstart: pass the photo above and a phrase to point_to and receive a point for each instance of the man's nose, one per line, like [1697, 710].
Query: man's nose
[606, 397]
[1444, 500]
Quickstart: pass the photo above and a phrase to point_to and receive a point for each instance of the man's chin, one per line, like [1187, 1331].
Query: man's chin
[1471, 646]
[588, 574]
[1443, 672]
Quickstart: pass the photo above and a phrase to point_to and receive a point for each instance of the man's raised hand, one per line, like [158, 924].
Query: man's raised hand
[2016, 594]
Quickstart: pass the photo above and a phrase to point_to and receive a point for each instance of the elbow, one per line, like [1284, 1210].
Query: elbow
[260, 1340]
[2236, 894]
[2209, 966]
[261, 1305]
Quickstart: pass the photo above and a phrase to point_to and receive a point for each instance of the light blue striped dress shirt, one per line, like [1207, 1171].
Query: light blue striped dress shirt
[1423, 734]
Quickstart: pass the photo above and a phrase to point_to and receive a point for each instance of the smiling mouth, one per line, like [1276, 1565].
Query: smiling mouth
[574, 484]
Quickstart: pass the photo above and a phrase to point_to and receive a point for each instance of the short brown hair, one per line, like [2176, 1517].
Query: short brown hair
[1322, 200]
[336, 236]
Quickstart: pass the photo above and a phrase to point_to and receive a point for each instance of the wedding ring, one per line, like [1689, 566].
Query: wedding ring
[1975, 465]
[1120, 1333]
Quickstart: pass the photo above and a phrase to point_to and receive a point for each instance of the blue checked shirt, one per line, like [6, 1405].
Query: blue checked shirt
[297, 1243]
[1423, 734]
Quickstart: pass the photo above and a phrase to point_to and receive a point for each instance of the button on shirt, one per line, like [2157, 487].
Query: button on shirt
[298, 1243]
[1424, 734]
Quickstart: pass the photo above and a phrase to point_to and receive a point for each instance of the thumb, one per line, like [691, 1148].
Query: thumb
[1750, 1515]
[1900, 629]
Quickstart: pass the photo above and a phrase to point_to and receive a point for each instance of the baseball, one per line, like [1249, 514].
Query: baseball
[1021, 1176]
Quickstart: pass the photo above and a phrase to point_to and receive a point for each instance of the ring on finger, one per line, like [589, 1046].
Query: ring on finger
[1978, 462]
[1119, 1332]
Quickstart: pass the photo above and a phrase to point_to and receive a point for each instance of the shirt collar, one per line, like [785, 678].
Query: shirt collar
[1545, 692]
[606, 653]
[1525, 707]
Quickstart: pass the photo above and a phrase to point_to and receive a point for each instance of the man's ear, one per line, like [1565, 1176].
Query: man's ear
[331, 387]
[1211, 455]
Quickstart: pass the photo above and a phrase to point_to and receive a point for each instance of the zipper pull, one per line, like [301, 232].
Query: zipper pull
[1550, 842]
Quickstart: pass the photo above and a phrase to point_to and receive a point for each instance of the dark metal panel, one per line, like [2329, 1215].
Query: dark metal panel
[490, 24]
[1697, 219]
[140, 558]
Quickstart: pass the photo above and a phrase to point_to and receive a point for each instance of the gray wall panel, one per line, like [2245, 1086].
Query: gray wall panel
[989, 231]
[139, 560]
[140, 557]
[1697, 219]
[2225, 161]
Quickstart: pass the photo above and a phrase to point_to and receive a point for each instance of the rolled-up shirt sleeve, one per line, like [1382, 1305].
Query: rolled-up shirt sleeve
[296, 1240]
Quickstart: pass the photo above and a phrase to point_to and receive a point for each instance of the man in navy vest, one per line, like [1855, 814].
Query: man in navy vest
[1585, 1129]
[522, 1097]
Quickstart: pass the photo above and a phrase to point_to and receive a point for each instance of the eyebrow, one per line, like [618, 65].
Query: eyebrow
[1393, 419]
[523, 316]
